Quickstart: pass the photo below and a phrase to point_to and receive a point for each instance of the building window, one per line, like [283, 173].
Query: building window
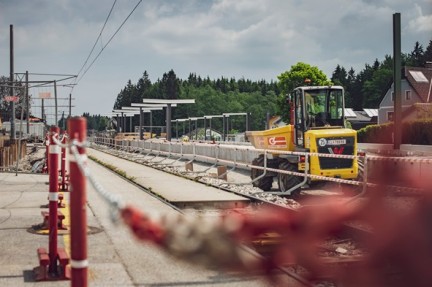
[407, 95]
[390, 116]
[392, 96]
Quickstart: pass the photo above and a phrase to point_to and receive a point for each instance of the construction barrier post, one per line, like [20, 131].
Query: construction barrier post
[53, 156]
[63, 164]
[77, 130]
[46, 153]
[222, 172]
[48, 268]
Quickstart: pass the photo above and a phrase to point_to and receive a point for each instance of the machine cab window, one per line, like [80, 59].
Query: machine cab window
[315, 108]
[299, 126]
[324, 107]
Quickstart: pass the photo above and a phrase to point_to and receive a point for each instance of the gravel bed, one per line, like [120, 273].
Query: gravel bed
[208, 179]
[34, 154]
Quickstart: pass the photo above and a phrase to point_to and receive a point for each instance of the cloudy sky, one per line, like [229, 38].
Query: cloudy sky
[254, 39]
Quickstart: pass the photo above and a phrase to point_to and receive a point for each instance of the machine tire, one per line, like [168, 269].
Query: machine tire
[264, 183]
[353, 190]
[287, 181]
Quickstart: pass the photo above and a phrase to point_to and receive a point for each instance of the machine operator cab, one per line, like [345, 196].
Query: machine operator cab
[316, 107]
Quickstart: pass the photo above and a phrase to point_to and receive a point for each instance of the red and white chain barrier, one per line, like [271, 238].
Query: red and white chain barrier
[217, 242]
[52, 264]
[155, 149]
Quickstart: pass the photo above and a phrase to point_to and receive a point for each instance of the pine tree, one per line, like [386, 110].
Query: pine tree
[170, 85]
[339, 76]
[427, 56]
[415, 58]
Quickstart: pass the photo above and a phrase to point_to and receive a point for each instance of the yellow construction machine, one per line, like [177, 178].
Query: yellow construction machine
[317, 126]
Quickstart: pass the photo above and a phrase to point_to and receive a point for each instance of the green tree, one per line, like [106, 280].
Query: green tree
[96, 122]
[427, 56]
[143, 86]
[339, 76]
[126, 96]
[375, 88]
[170, 85]
[301, 74]
[415, 58]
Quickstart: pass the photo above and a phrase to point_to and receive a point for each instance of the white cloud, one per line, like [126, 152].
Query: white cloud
[252, 38]
[422, 23]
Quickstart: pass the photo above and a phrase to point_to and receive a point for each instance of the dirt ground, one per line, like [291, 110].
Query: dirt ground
[35, 153]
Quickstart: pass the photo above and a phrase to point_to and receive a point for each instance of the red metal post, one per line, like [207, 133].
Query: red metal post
[63, 163]
[77, 130]
[46, 152]
[53, 155]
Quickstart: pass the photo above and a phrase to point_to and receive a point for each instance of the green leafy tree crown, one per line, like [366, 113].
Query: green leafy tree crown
[301, 74]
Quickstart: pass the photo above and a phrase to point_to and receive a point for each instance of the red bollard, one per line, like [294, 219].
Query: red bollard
[77, 130]
[53, 155]
[48, 268]
[45, 169]
[63, 185]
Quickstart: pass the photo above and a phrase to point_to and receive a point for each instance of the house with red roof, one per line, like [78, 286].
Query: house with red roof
[416, 91]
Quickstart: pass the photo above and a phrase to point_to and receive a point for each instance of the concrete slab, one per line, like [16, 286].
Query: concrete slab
[145, 264]
[115, 257]
[175, 189]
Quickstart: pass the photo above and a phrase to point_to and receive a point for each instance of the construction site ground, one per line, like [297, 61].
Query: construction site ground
[115, 257]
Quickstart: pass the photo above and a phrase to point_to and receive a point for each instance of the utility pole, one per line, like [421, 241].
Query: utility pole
[55, 100]
[11, 90]
[141, 123]
[70, 105]
[168, 122]
[27, 103]
[224, 127]
[397, 115]
[43, 111]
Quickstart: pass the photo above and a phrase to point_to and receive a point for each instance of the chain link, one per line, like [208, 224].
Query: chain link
[115, 201]
[58, 141]
[208, 242]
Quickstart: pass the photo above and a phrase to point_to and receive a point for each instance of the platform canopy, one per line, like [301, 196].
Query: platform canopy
[180, 120]
[234, 114]
[126, 112]
[138, 105]
[213, 116]
[144, 109]
[124, 115]
[169, 101]
[196, 118]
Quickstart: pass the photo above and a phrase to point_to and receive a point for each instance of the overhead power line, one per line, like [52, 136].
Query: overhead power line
[45, 74]
[98, 37]
[109, 41]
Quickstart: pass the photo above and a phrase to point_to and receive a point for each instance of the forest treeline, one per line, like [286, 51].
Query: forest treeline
[212, 97]
[363, 89]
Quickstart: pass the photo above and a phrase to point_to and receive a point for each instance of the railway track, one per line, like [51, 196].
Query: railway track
[342, 248]
[316, 248]
[384, 236]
